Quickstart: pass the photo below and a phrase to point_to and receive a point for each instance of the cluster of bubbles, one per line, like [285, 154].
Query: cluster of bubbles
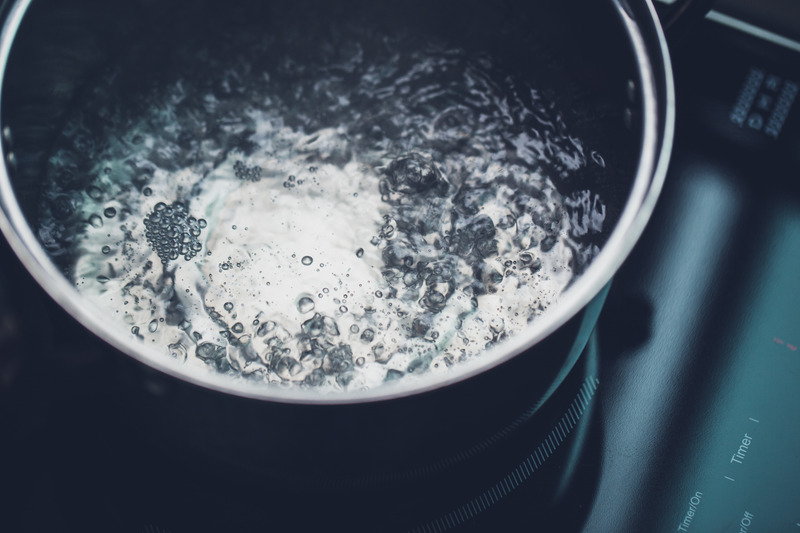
[412, 173]
[243, 172]
[172, 232]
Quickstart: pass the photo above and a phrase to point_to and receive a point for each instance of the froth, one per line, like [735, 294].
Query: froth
[403, 229]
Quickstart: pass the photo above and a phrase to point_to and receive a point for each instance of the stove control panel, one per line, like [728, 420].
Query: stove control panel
[701, 416]
[741, 471]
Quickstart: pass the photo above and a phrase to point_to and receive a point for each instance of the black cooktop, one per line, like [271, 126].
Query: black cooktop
[681, 414]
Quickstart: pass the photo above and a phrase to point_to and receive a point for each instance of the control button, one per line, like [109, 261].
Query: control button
[755, 121]
[772, 83]
[764, 102]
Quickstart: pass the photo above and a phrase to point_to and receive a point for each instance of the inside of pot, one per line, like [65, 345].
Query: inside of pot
[319, 195]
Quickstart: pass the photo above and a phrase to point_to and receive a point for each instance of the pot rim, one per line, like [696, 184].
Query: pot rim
[657, 141]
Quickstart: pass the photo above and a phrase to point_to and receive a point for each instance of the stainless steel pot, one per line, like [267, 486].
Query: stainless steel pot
[609, 61]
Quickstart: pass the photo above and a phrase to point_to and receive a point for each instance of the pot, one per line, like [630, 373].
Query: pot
[604, 63]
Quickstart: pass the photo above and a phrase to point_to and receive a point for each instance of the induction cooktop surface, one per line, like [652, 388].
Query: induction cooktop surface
[680, 416]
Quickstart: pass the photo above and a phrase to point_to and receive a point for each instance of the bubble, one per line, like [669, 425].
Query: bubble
[360, 252]
[338, 360]
[315, 379]
[343, 309]
[106, 250]
[410, 279]
[354, 328]
[305, 304]
[420, 326]
[415, 173]
[288, 367]
[387, 231]
[228, 306]
[314, 326]
[210, 352]
[152, 327]
[497, 325]
[102, 279]
[135, 330]
[94, 193]
[109, 212]
[178, 351]
[62, 207]
[237, 328]
[266, 328]
[307, 260]
[96, 221]
[380, 353]
[368, 335]
[147, 191]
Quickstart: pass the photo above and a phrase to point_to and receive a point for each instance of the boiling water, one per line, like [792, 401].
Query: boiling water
[373, 209]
